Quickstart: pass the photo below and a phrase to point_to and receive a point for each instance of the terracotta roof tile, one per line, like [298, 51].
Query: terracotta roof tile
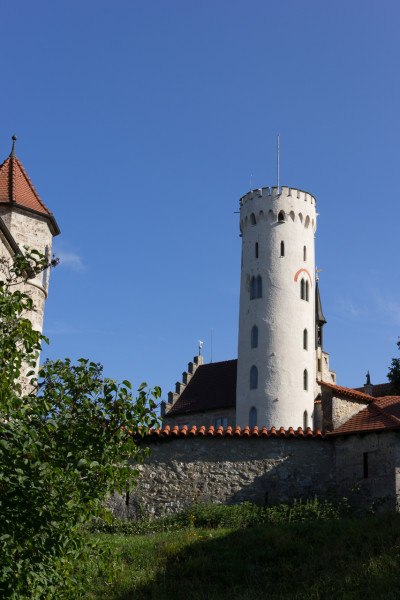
[16, 188]
[382, 414]
[348, 392]
[220, 432]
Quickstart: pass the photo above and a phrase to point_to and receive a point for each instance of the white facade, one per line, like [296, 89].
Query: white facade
[277, 371]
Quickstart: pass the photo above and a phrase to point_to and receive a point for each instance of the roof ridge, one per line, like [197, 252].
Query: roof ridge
[211, 431]
[386, 413]
[346, 390]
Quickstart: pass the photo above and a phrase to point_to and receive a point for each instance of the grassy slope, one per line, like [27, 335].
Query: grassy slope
[347, 559]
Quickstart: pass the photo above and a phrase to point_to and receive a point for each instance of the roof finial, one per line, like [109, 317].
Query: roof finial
[12, 153]
[200, 346]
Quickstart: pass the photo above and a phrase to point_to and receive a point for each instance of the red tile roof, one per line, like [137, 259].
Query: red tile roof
[212, 386]
[381, 414]
[347, 392]
[17, 189]
[185, 431]
[379, 390]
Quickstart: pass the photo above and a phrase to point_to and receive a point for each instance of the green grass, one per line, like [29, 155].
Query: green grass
[344, 559]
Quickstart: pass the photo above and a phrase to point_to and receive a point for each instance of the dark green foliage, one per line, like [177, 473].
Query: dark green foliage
[394, 373]
[63, 447]
[341, 558]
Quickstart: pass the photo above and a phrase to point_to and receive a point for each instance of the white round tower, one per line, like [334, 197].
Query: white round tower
[276, 350]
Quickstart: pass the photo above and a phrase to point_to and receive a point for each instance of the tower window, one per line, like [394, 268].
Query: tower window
[302, 289]
[254, 337]
[252, 219]
[365, 464]
[307, 291]
[281, 217]
[305, 339]
[256, 249]
[305, 420]
[305, 380]
[253, 417]
[282, 248]
[253, 378]
[305, 253]
[253, 288]
[256, 288]
[259, 287]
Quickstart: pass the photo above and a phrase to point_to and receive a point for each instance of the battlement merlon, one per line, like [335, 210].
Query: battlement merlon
[268, 192]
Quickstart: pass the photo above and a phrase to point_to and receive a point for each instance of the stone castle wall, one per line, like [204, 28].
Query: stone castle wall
[228, 470]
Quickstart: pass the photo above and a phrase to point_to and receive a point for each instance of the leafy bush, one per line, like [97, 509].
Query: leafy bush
[64, 445]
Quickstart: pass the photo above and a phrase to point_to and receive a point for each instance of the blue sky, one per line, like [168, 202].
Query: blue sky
[140, 123]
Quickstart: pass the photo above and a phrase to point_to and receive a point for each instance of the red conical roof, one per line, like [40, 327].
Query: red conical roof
[17, 189]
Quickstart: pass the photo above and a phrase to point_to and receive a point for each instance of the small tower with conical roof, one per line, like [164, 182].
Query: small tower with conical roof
[25, 221]
[276, 370]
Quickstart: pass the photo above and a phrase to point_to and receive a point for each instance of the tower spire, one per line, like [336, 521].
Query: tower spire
[12, 153]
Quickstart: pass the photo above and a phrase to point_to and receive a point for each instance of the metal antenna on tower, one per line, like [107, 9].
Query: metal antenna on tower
[251, 181]
[211, 344]
[278, 163]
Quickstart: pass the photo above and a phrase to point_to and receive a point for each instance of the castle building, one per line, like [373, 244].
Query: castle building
[272, 424]
[280, 346]
[25, 221]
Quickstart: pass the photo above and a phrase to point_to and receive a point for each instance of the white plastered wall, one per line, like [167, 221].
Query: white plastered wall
[280, 315]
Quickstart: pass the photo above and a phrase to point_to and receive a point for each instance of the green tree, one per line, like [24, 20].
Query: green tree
[394, 373]
[63, 447]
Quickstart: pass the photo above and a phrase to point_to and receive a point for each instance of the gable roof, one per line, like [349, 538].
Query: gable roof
[381, 414]
[347, 392]
[16, 189]
[379, 390]
[212, 386]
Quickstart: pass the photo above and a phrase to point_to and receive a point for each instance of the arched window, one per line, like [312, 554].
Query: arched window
[307, 291]
[302, 289]
[259, 287]
[253, 288]
[254, 337]
[253, 378]
[256, 249]
[253, 418]
[305, 380]
[305, 339]
[305, 420]
[304, 253]
[281, 216]
[252, 219]
[282, 248]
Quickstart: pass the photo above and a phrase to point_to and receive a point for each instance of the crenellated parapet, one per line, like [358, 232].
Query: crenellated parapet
[276, 207]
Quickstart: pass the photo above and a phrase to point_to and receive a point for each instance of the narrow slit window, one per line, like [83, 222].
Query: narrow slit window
[254, 337]
[305, 339]
[365, 464]
[253, 378]
[302, 289]
[256, 249]
[281, 216]
[305, 253]
[305, 380]
[253, 288]
[305, 420]
[307, 291]
[259, 287]
[252, 219]
[282, 248]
